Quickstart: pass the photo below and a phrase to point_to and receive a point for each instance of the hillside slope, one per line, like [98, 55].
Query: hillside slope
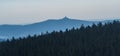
[8, 31]
[97, 40]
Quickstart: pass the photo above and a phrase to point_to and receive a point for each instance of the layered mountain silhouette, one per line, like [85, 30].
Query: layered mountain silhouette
[9, 31]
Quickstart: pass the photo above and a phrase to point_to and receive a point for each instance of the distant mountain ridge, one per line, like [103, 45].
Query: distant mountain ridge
[9, 31]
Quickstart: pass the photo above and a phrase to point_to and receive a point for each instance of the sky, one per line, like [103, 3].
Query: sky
[31, 11]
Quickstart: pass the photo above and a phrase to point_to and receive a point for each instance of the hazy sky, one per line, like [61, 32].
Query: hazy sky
[29, 11]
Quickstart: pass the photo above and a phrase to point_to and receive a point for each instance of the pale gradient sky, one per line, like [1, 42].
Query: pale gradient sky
[30, 11]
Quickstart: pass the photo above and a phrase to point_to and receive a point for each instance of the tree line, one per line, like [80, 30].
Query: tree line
[96, 40]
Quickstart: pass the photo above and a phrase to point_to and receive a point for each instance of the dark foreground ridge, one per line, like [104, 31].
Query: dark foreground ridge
[95, 40]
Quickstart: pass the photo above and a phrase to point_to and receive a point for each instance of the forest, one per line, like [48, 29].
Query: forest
[95, 40]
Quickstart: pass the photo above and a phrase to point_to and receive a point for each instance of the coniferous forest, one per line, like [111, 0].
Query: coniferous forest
[96, 40]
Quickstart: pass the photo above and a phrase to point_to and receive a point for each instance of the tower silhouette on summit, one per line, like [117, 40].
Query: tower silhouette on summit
[66, 18]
